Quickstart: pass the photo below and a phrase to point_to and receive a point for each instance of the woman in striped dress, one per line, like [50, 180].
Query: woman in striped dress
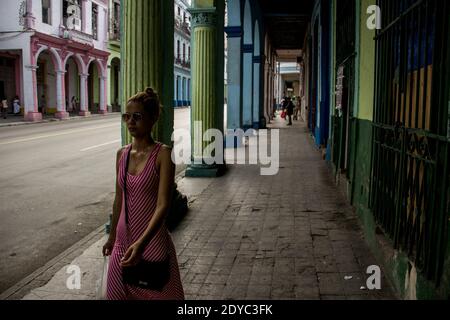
[140, 232]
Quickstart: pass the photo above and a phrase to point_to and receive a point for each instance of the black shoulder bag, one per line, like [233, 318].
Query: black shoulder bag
[152, 275]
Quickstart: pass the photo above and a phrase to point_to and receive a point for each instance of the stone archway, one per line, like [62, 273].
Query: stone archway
[47, 93]
[73, 68]
[114, 88]
[96, 87]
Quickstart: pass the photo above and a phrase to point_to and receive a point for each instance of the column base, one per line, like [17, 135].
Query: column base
[84, 114]
[205, 171]
[62, 115]
[33, 116]
[103, 112]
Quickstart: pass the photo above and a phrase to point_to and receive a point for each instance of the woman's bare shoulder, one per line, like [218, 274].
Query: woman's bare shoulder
[120, 151]
[165, 152]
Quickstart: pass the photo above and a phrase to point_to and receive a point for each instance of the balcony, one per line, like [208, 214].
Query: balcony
[114, 33]
[77, 36]
[183, 26]
[182, 62]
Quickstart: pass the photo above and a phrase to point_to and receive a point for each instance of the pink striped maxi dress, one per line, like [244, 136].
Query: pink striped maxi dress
[142, 195]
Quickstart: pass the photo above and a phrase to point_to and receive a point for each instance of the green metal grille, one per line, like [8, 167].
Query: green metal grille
[345, 58]
[410, 167]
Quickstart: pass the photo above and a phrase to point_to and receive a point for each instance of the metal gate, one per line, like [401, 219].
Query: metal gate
[410, 167]
[345, 69]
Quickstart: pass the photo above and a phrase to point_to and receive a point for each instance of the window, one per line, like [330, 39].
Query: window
[189, 53]
[178, 49]
[179, 11]
[72, 14]
[184, 52]
[95, 21]
[116, 21]
[47, 11]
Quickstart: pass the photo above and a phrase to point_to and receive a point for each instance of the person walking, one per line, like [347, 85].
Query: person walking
[289, 110]
[42, 104]
[139, 240]
[16, 104]
[73, 102]
[5, 108]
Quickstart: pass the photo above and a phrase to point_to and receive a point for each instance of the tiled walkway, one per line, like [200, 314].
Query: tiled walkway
[289, 236]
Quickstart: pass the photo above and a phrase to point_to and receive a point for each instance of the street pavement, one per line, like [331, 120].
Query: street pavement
[248, 236]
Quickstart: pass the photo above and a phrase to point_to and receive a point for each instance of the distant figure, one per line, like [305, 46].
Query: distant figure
[289, 110]
[74, 104]
[16, 104]
[4, 108]
[297, 109]
[42, 104]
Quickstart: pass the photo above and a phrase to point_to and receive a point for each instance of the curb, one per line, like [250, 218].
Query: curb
[26, 285]
[23, 122]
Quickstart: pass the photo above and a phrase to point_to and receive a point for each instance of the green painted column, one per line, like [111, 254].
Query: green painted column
[147, 58]
[207, 85]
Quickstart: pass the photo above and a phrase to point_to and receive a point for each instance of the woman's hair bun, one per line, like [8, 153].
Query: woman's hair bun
[149, 100]
[149, 91]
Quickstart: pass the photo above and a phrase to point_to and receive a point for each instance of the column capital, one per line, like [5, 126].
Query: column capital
[203, 17]
[61, 72]
[84, 75]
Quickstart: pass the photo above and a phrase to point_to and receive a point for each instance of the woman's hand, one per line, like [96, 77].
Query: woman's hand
[133, 255]
[108, 247]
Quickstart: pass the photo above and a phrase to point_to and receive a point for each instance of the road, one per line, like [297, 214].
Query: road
[56, 186]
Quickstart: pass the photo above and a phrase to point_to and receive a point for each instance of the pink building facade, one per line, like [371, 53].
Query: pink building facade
[57, 51]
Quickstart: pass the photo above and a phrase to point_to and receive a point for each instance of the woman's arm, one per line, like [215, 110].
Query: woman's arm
[166, 181]
[117, 206]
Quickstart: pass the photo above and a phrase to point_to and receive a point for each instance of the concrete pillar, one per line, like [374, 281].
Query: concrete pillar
[61, 112]
[31, 107]
[247, 90]
[147, 58]
[234, 120]
[30, 19]
[256, 92]
[207, 92]
[266, 92]
[84, 108]
[103, 93]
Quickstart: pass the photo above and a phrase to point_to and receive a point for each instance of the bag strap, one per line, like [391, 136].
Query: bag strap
[125, 184]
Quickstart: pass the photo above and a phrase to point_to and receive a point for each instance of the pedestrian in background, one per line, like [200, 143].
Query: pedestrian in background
[74, 104]
[139, 240]
[289, 110]
[297, 109]
[4, 108]
[42, 104]
[16, 104]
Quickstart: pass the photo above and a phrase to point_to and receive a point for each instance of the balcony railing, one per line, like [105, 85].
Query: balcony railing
[183, 26]
[77, 36]
[183, 63]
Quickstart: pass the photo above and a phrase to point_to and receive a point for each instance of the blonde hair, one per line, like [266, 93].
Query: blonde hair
[149, 100]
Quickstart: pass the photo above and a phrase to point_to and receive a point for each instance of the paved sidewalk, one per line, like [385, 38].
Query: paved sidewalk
[247, 236]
